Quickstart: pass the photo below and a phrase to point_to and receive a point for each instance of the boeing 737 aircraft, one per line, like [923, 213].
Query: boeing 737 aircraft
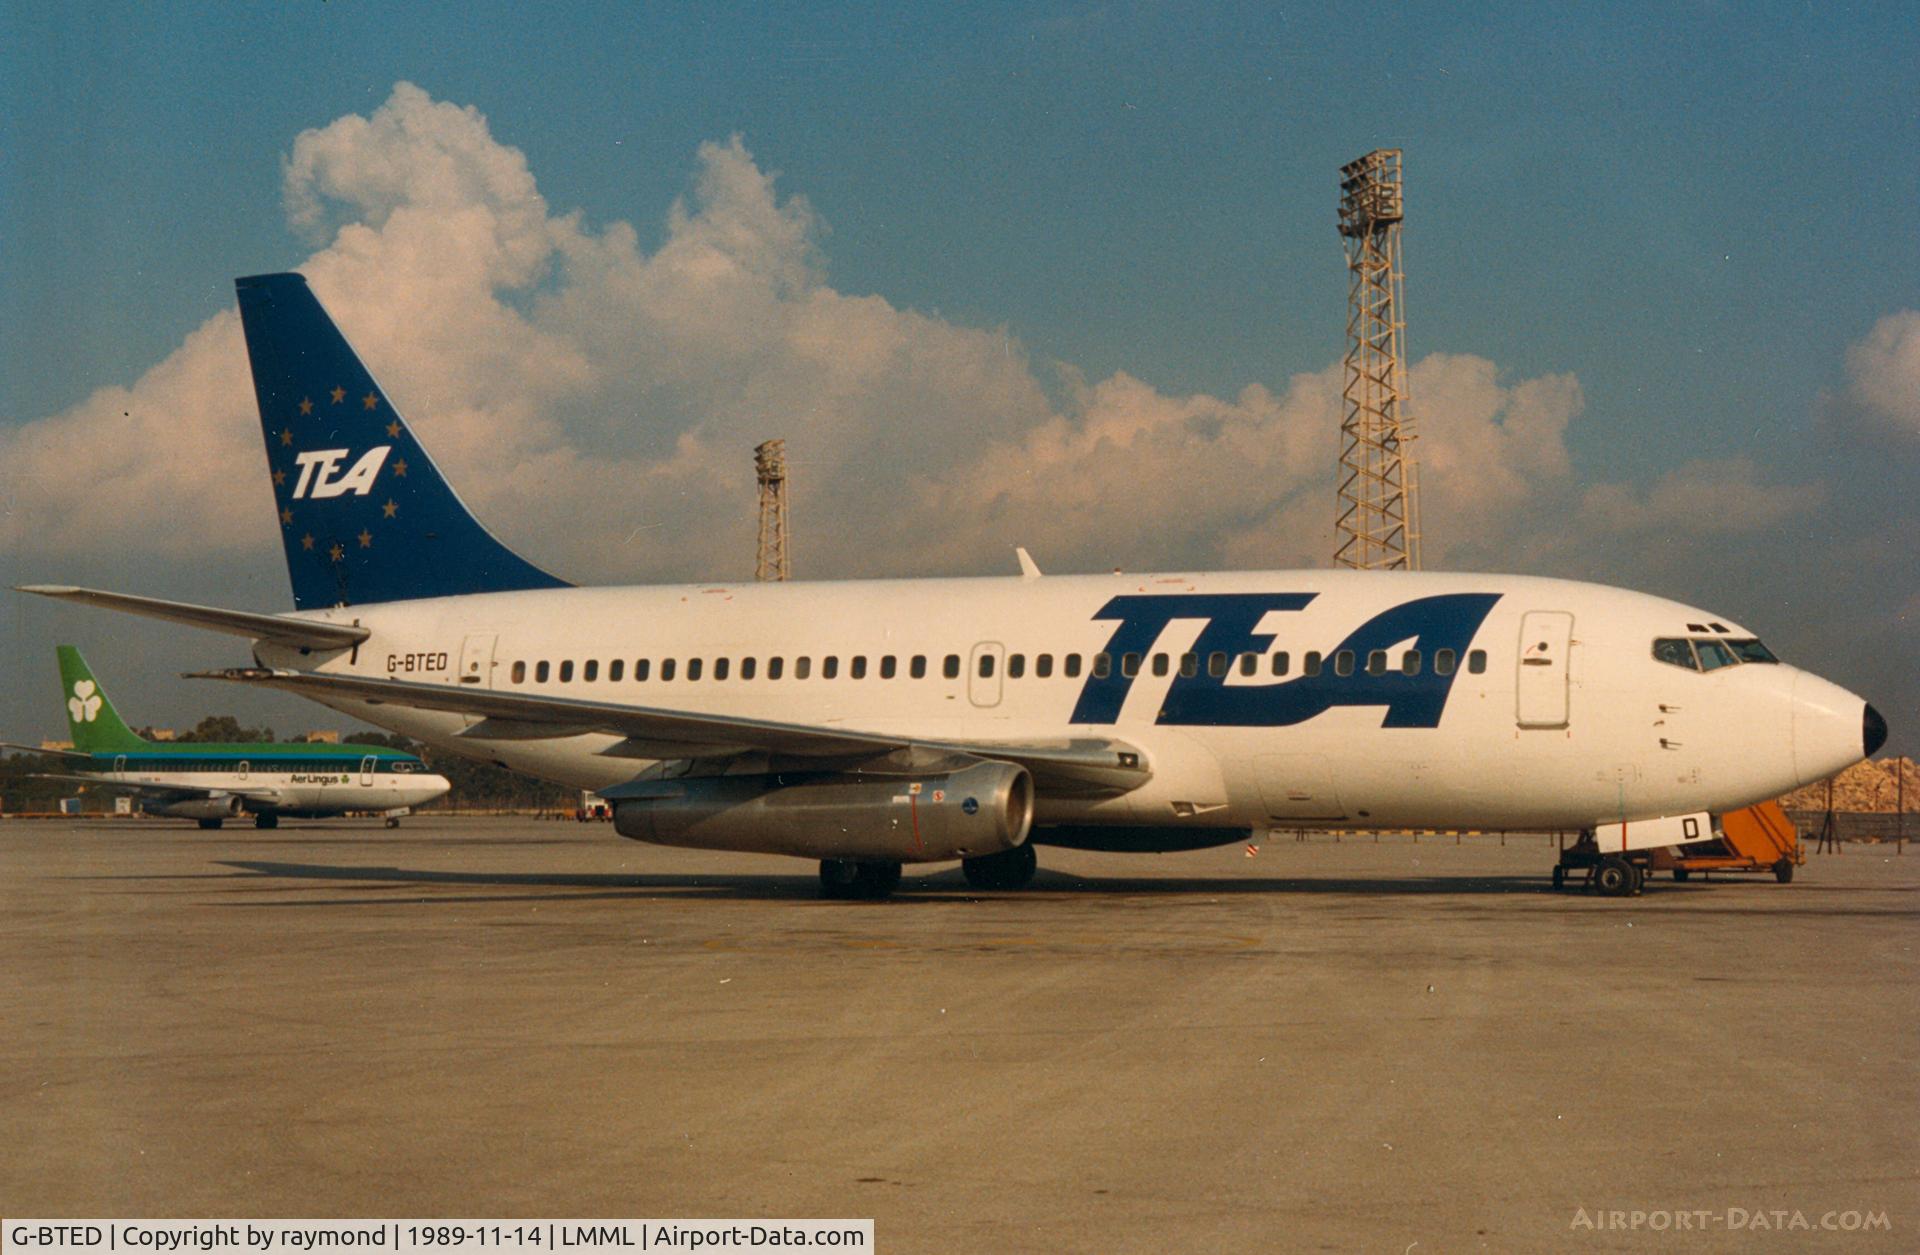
[875, 723]
[214, 782]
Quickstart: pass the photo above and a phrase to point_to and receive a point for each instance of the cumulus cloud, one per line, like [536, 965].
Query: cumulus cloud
[596, 402]
[1717, 498]
[1883, 377]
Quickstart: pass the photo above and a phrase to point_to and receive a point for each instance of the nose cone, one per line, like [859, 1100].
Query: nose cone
[1873, 732]
[1832, 728]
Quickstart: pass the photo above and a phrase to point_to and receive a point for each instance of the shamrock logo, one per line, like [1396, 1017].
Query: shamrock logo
[85, 703]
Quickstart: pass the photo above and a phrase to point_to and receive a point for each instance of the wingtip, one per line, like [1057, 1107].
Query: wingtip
[47, 590]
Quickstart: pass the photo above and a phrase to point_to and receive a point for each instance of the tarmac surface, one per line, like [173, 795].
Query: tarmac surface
[1334, 1046]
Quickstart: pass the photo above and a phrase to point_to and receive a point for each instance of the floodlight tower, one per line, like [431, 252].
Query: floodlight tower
[1378, 520]
[770, 465]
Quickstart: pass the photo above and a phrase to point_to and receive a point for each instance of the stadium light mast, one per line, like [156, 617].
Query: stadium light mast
[1377, 524]
[770, 466]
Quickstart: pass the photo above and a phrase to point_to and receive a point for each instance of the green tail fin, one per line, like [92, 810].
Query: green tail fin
[96, 725]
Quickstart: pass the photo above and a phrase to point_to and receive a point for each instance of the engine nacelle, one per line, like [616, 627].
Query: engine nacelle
[219, 806]
[981, 809]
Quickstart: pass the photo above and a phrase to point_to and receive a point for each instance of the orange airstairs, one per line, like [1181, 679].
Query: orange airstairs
[1758, 839]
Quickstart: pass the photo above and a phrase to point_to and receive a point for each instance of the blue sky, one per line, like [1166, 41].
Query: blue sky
[1694, 211]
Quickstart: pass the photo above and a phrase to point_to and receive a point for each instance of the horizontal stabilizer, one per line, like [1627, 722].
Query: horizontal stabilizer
[35, 749]
[280, 629]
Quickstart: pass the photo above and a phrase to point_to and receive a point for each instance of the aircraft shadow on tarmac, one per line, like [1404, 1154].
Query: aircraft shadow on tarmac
[938, 886]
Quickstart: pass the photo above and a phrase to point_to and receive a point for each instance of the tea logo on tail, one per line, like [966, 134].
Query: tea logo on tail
[84, 705]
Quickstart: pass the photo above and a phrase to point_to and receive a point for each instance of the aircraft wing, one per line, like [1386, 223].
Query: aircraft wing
[1077, 764]
[279, 628]
[35, 749]
[171, 791]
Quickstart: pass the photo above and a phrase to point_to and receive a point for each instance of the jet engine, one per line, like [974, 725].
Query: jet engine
[980, 809]
[217, 806]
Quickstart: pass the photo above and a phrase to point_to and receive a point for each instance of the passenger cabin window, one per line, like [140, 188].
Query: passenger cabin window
[641, 669]
[747, 668]
[1161, 664]
[694, 666]
[666, 670]
[830, 667]
[1129, 665]
[1281, 663]
[1343, 662]
[951, 667]
[1042, 666]
[857, 667]
[776, 667]
[802, 668]
[721, 666]
[1073, 665]
[986, 666]
[1377, 662]
[1016, 666]
[566, 672]
[918, 667]
[1443, 660]
[540, 672]
[1216, 664]
[1189, 665]
[1249, 664]
[590, 670]
[1102, 666]
[1310, 665]
[1477, 661]
[1410, 662]
[616, 669]
[889, 666]
[519, 673]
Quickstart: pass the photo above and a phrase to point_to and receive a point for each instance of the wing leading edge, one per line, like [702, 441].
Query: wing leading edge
[1079, 765]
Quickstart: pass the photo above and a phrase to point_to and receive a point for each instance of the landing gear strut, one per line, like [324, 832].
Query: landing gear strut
[845, 878]
[1009, 869]
[266, 821]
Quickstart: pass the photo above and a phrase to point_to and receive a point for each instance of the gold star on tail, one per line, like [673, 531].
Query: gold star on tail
[390, 509]
[286, 435]
[279, 478]
[370, 400]
[393, 428]
[306, 542]
[306, 406]
[336, 553]
[366, 539]
[400, 467]
[286, 518]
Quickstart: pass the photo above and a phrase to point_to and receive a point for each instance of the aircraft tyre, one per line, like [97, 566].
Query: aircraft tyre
[1559, 876]
[1613, 878]
[843, 878]
[1639, 878]
[210, 823]
[393, 823]
[1680, 875]
[1783, 872]
[1009, 869]
[266, 821]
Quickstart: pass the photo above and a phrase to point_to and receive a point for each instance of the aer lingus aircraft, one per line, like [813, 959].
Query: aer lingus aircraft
[213, 783]
[869, 724]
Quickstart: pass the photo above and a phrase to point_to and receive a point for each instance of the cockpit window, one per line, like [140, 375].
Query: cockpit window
[1714, 655]
[1675, 651]
[1751, 650]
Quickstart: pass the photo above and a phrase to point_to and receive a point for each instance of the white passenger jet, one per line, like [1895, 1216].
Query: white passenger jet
[870, 724]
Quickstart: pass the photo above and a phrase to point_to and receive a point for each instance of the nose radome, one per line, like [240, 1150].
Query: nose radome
[1873, 731]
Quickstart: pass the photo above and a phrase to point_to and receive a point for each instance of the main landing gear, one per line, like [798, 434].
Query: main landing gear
[210, 823]
[266, 821]
[845, 878]
[1009, 869]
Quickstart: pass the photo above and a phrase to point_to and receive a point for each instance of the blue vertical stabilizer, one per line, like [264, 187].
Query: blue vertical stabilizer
[364, 513]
